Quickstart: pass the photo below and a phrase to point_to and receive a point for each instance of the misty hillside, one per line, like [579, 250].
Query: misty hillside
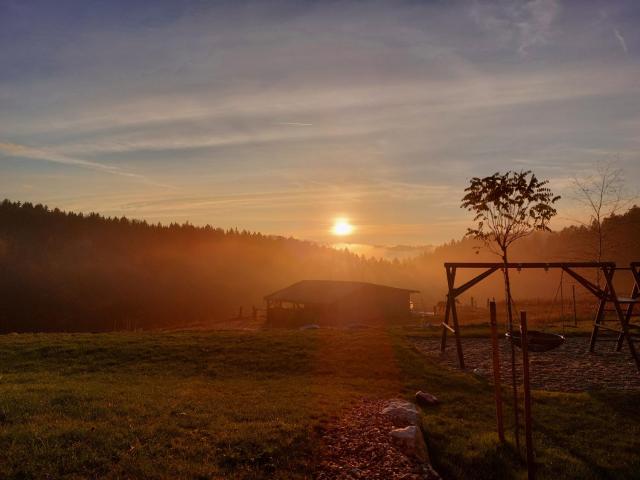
[68, 271]
[621, 244]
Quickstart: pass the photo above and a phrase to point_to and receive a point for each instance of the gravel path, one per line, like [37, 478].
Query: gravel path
[358, 446]
[569, 368]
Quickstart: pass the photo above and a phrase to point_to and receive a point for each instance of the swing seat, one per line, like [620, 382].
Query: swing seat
[537, 341]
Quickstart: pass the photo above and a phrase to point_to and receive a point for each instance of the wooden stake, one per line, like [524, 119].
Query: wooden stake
[531, 466]
[496, 371]
[575, 311]
[514, 380]
[445, 323]
[561, 298]
[451, 277]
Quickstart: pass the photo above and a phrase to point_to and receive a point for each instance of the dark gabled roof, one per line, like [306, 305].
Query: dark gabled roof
[324, 291]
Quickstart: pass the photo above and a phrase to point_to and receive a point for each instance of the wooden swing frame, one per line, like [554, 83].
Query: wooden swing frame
[604, 295]
[624, 332]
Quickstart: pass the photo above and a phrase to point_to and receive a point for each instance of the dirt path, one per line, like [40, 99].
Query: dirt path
[569, 368]
[358, 446]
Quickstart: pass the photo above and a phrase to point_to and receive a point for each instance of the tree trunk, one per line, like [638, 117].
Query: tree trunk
[514, 380]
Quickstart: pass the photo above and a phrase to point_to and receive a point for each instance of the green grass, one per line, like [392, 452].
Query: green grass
[253, 404]
[576, 435]
[190, 405]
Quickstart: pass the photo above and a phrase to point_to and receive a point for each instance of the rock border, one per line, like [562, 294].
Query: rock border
[376, 440]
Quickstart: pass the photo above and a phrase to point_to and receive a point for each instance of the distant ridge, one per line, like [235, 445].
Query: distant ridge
[65, 271]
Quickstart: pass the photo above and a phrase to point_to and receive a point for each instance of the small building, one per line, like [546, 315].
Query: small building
[336, 303]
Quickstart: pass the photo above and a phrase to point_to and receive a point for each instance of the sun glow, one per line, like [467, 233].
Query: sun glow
[342, 227]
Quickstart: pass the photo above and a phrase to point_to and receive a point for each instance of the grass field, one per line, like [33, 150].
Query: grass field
[232, 404]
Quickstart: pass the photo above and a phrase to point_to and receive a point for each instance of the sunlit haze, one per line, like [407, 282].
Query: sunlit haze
[272, 116]
[342, 227]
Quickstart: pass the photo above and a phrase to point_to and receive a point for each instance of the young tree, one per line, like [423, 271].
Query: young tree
[602, 194]
[508, 207]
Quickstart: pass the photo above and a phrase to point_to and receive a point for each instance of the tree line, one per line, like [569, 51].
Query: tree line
[65, 271]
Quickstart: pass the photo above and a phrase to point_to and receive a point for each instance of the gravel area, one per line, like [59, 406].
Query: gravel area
[568, 368]
[358, 446]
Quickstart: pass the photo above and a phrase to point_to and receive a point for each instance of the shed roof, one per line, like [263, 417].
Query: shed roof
[325, 291]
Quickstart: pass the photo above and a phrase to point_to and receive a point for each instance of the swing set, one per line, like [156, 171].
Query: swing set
[539, 341]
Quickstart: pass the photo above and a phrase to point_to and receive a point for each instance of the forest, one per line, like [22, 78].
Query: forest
[66, 271]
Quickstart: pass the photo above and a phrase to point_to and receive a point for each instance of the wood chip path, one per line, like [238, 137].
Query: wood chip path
[569, 368]
[358, 446]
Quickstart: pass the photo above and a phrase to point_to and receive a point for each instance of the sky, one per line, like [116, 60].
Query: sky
[282, 116]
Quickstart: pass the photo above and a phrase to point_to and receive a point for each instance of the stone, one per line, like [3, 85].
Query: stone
[311, 326]
[357, 326]
[401, 413]
[425, 399]
[480, 372]
[409, 440]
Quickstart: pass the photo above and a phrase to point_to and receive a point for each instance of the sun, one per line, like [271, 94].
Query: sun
[342, 227]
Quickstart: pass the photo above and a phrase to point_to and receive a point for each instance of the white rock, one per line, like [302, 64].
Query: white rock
[480, 372]
[410, 441]
[311, 326]
[401, 413]
[426, 399]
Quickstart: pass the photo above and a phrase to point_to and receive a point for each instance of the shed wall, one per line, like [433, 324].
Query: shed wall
[371, 305]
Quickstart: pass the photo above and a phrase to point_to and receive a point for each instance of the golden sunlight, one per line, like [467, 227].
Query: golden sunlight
[342, 227]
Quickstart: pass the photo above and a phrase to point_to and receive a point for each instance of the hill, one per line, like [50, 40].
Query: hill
[64, 271]
[621, 236]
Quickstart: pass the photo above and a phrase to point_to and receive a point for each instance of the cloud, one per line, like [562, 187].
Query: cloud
[536, 27]
[23, 151]
[520, 25]
[340, 114]
[623, 43]
[388, 107]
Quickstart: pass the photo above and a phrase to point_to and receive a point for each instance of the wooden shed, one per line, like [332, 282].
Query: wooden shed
[336, 303]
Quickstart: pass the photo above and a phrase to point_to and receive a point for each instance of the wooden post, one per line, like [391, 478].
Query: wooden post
[454, 317]
[496, 371]
[445, 325]
[456, 334]
[608, 275]
[561, 299]
[598, 320]
[531, 467]
[451, 307]
[635, 293]
[575, 311]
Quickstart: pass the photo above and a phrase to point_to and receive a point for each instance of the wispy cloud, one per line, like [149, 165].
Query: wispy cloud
[23, 151]
[341, 114]
[276, 116]
[621, 40]
[520, 25]
[536, 26]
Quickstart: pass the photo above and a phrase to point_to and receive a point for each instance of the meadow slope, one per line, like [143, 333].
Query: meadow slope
[232, 404]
